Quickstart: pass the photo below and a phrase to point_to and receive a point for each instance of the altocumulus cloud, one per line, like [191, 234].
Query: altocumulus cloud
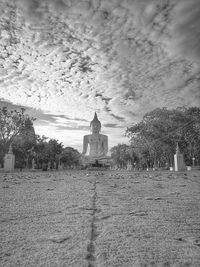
[119, 58]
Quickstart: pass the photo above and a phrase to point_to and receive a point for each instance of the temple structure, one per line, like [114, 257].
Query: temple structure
[97, 144]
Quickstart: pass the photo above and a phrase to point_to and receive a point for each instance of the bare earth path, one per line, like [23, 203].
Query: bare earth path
[103, 219]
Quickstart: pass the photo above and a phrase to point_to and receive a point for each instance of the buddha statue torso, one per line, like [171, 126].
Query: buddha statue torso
[98, 145]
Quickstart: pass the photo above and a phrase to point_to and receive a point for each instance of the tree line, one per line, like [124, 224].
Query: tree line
[154, 139]
[16, 128]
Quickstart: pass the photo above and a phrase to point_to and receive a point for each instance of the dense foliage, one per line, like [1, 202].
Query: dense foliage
[154, 139]
[70, 157]
[12, 123]
[122, 154]
[13, 126]
[23, 143]
[16, 127]
[46, 150]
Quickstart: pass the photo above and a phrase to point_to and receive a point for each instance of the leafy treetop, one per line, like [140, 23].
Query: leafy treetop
[11, 123]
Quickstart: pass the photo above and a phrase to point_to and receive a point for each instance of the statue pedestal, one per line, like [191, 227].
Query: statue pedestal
[96, 162]
[179, 164]
[9, 162]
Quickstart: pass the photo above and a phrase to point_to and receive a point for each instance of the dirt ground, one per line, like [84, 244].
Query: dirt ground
[103, 219]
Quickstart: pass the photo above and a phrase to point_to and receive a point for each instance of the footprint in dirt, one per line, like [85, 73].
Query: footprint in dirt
[59, 240]
[139, 213]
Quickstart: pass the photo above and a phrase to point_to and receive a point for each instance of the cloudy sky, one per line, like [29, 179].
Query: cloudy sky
[65, 59]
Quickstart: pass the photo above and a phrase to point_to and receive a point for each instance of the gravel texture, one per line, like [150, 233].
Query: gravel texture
[104, 219]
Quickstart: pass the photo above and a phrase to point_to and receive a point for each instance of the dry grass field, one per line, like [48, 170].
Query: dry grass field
[103, 219]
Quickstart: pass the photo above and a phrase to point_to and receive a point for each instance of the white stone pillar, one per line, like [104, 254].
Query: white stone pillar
[179, 164]
[9, 161]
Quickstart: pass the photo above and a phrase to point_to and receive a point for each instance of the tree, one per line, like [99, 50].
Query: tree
[121, 154]
[21, 150]
[53, 150]
[12, 123]
[70, 157]
[23, 143]
[47, 150]
[154, 138]
[1, 153]
[191, 136]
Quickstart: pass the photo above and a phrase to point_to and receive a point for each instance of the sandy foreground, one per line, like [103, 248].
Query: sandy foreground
[89, 219]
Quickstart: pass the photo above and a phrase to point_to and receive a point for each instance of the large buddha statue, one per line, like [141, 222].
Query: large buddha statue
[97, 143]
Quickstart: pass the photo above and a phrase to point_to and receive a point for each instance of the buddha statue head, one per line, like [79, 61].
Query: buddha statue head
[95, 125]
